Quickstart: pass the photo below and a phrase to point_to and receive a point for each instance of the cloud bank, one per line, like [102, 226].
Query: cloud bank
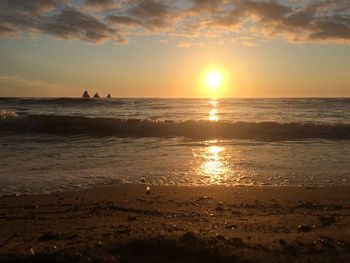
[99, 21]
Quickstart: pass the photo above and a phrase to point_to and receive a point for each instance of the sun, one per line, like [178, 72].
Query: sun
[214, 79]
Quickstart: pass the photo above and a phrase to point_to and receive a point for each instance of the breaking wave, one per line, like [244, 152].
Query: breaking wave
[73, 125]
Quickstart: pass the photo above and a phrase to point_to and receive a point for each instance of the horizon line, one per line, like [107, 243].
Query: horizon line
[150, 97]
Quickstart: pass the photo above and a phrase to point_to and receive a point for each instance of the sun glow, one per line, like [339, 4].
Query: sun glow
[214, 81]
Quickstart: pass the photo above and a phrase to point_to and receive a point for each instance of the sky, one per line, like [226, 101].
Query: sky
[149, 48]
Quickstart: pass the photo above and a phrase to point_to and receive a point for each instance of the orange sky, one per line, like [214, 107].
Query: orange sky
[162, 48]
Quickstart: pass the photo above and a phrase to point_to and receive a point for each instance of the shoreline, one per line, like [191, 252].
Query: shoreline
[124, 223]
[104, 187]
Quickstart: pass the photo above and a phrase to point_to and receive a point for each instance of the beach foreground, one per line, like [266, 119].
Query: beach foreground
[178, 224]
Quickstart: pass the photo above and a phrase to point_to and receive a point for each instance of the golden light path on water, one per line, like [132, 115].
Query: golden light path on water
[213, 113]
[214, 164]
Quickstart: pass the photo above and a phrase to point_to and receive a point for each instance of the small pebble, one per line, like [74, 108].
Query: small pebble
[231, 226]
[304, 228]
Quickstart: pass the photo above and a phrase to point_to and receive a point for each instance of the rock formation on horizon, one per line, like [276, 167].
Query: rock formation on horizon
[86, 94]
[96, 96]
[109, 96]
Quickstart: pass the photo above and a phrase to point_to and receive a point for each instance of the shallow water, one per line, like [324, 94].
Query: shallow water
[42, 154]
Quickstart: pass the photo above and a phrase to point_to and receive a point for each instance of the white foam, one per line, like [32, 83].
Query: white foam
[4, 114]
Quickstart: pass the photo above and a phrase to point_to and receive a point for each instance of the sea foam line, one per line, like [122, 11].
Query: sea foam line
[73, 125]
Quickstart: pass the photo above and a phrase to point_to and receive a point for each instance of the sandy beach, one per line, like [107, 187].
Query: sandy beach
[127, 223]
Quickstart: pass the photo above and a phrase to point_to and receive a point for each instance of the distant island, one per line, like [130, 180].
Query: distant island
[96, 96]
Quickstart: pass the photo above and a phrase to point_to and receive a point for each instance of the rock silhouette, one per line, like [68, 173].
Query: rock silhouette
[86, 94]
[96, 96]
[109, 96]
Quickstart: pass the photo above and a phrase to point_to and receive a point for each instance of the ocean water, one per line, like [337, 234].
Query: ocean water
[51, 145]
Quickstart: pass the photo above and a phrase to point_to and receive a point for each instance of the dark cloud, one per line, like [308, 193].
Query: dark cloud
[266, 11]
[145, 14]
[152, 14]
[55, 18]
[34, 6]
[298, 19]
[124, 20]
[206, 5]
[73, 24]
[7, 30]
[98, 21]
[316, 21]
[330, 30]
[20, 15]
[101, 4]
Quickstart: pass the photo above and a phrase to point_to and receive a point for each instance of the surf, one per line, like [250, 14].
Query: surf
[194, 129]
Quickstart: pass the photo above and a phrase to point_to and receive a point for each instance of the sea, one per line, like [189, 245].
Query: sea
[50, 145]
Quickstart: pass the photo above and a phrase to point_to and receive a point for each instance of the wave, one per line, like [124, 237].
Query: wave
[73, 125]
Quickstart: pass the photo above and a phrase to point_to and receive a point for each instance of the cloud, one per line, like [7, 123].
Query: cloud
[100, 3]
[124, 20]
[206, 5]
[327, 21]
[7, 30]
[33, 6]
[151, 14]
[54, 18]
[98, 21]
[184, 44]
[249, 44]
[73, 24]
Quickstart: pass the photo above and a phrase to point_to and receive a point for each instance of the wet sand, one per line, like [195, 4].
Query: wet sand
[178, 224]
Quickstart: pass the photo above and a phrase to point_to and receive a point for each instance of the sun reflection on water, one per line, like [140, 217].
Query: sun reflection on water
[212, 159]
[213, 113]
[213, 103]
[214, 165]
